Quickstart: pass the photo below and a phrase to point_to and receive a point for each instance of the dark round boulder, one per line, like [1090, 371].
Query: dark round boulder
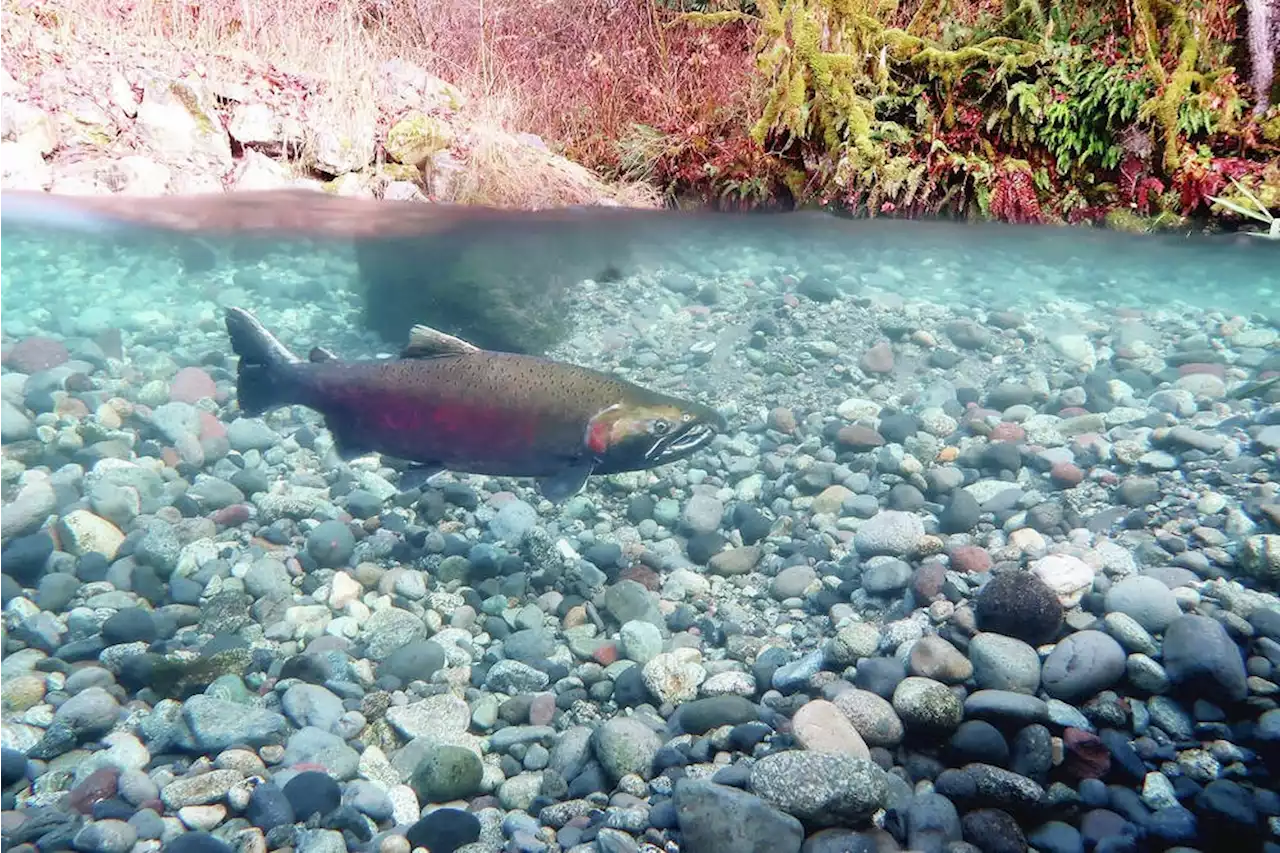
[197, 842]
[312, 792]
[129, 625]
[445, 830]
[1018, 604]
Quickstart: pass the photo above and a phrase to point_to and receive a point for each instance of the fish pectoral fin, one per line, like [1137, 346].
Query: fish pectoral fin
[426, 342]
[417, 474]
[564, 485]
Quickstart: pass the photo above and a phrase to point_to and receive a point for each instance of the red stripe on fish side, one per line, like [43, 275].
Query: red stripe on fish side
[477, 425]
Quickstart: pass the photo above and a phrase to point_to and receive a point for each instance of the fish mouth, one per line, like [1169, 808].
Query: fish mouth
[693, 437]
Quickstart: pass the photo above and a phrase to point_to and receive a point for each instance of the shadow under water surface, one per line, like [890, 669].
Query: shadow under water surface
[507, 279]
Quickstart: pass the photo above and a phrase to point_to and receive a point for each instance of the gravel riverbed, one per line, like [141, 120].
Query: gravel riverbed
[974, 568]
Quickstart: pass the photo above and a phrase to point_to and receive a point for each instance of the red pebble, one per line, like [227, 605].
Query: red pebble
[642, 575]
[878, 359]
[232, 516]
[1066, 475]
[97, 786]
[211, 427]
[542, 709]
[1086, 755]
[1072, 412]
[305, 766]
[928, 580]
[970, 558]
[605, 654]
[191, 384]
[35, 354]
[1218, 370]
[1007, 431]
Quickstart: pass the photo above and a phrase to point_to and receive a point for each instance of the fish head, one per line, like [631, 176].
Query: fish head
[634, 436]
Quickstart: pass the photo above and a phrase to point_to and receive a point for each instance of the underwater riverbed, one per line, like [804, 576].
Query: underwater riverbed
[987, 554]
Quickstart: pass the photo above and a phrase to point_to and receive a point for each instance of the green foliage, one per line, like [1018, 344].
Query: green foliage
[1028, 115]
[1075, 107]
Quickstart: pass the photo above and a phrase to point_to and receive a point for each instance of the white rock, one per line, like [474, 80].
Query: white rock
[22, 122]
[254, 124]
[1202, 385]
[142, 176]
[257, 171]
[344, 590]
[176, 120]
[683, 583]
[122, 94]
[8, 85]
[404, 805]
[1069, 577]
[84, 122]
[1077, 349]
[675, 676]
[402, 191]
[23, 168]
[81, 532]
[857, 409]
[340, 153]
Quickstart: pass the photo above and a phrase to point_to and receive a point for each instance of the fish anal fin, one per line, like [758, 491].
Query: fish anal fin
[318, 354]
[426, 342]
[416, 475]
[567, 483]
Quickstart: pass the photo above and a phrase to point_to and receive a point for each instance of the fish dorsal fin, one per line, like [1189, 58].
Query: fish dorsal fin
[426, 342]
[320, 354]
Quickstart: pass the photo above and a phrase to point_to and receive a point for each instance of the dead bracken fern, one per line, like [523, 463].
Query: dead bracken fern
[503, 171]
[329, 53]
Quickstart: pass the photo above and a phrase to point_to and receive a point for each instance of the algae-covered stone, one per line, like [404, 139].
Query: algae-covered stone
[1261, 557]
[177, 122]
[447, 772]
[414, 138]
[337, 153]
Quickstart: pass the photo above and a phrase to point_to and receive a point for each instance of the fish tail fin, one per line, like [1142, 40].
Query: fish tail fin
[261, 381]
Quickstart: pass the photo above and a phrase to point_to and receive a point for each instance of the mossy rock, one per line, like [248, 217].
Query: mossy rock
[179, 678]
[412, 140]
[400, 172]
[186, 95]
[445, 773]
[1271, 129]
[1124, 219]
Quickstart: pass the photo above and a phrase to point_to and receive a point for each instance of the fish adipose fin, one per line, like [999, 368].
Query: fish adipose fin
[260, 381]
[426, 342]
[564, 485]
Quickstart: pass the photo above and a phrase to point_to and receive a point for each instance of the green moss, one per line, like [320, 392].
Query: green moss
[416, 137]
[1124, 219]
[400, 172]
[1271, 129]
[186, 96]
[875, 115]
[178, 678]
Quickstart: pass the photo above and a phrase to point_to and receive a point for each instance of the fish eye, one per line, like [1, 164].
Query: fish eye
[661, 426]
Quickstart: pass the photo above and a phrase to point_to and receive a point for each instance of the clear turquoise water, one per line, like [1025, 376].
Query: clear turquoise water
[54, 275]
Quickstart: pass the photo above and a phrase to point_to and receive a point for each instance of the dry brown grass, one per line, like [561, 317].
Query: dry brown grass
[582, 75]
